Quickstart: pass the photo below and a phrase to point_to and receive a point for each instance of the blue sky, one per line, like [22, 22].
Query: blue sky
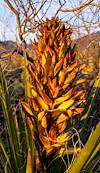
[8, 21]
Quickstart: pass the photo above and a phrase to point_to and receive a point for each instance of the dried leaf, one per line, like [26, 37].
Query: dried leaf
[29, 123]
[61, 99]
[56, 92]
[42, 103]
[80, 81]
[45, 141]
[63, 138]
[40, 115]
[71, 76]
[44, 122]
[34, 105]
[71, 67]
[34, 93]
[61, 118]
[61, 77]
[43, 60]
[58, 66]
[65, 105]
[62, 126]
[27, 108]
[52, 133]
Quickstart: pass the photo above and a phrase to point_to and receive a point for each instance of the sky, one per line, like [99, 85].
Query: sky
[8, 29]
[7, 23]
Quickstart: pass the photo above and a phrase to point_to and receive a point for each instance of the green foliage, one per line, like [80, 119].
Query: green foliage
[13, 160]
[88, 109]
[91, 99]
[87, 153]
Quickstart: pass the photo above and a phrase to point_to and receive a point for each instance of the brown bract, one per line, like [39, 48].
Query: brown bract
[56, 95]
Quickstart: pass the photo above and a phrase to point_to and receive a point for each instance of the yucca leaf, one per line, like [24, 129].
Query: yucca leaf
[94, 153]
[6, 168]
[92, 165]
[9, 126]
[14, 146]
[91, 98]
[88, 107]
[5, 156]
[83, 157]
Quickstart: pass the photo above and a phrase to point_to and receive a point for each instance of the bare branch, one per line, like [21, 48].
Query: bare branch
[11, 7]
[85, 4]
[96, 5]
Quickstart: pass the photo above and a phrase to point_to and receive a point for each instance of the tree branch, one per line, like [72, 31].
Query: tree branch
[96, 5]
[85, 4]
[11, 7]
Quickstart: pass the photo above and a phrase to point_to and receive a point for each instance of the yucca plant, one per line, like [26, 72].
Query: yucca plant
[57, 91]
[44, 138]
[14, 149]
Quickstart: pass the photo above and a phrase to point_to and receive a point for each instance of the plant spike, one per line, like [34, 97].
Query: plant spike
[55, 86]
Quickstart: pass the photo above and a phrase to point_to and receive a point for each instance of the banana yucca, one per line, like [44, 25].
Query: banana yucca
[55, 85]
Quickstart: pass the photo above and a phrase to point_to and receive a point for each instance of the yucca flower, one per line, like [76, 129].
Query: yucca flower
[55, 85]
